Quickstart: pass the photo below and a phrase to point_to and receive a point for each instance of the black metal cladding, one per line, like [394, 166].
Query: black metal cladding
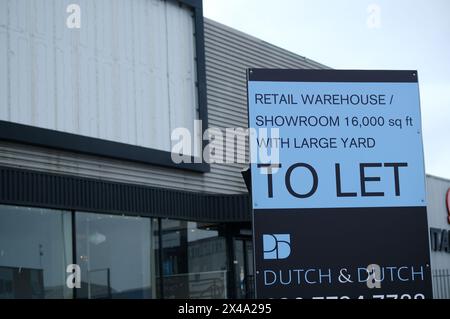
[41, 189]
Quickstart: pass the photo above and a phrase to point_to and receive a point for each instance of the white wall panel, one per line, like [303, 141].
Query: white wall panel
[111, 79]
[4, 68]
[4, 18]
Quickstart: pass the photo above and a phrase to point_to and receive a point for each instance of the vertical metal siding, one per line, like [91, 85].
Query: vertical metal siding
[228, 54]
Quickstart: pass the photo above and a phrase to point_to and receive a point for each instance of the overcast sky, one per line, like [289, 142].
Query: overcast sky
[360, 34]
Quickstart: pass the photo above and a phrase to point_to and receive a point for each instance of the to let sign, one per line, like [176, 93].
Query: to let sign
[338, 184]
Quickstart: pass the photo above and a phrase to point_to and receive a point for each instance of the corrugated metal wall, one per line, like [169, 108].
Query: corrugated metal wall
[228, 54]
[59, 191]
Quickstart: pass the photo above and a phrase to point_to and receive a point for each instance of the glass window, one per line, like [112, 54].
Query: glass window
[193, 260]
[138, 74]
[243, 268]
[116, 256]
[35, 249]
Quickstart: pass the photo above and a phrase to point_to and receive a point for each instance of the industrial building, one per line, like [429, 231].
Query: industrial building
[86, 175]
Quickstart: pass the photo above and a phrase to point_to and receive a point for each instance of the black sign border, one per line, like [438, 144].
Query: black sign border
[313, 75]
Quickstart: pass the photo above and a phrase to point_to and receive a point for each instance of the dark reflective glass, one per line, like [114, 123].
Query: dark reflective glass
[194, 263]
[35, 249]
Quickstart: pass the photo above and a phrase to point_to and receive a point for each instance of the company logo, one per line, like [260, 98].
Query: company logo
[276, 246]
